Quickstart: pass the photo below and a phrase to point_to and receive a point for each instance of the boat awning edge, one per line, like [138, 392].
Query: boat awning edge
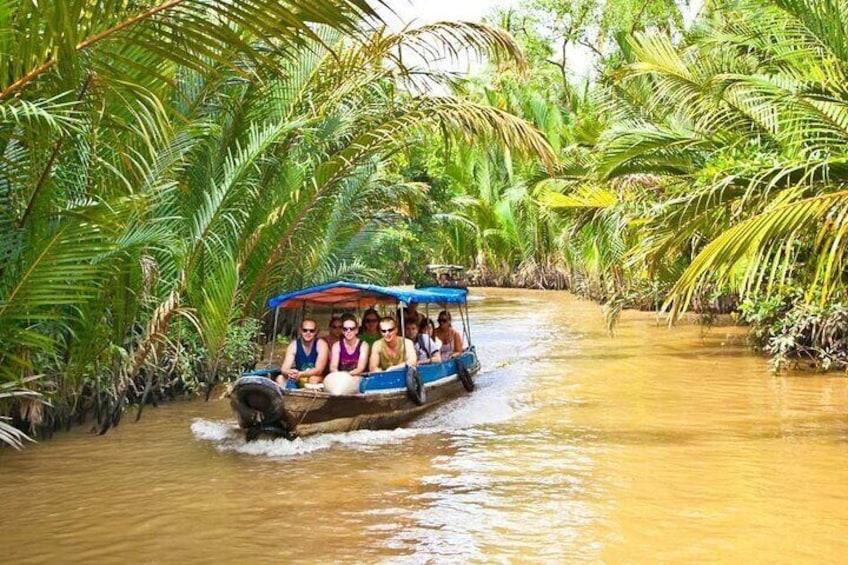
[344, 294]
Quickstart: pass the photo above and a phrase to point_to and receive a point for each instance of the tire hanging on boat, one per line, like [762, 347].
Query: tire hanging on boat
[415, 386]
[464, 376]
[257, 400]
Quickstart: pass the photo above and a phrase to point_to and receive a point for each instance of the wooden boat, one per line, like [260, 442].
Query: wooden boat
[385, 400]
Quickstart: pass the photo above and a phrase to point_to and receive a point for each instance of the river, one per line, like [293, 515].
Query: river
[657, 445]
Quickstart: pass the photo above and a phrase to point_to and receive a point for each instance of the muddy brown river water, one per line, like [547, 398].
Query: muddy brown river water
[658, 445]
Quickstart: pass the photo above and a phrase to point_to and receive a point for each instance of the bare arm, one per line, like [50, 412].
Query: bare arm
[286, 369]
[362, 366]
[457, 342]
[374, 363]
[411, 357]
[335, 354]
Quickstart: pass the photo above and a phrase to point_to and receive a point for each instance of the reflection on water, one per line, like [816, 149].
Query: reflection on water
[658, 445]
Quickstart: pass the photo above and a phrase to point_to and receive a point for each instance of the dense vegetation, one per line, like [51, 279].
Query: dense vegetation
[699, 168]
[168, 165]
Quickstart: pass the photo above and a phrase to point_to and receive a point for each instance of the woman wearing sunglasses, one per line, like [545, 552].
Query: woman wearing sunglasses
[306, 357]
[450, 338]
[390, 352]
[350, 354]
[370, 331]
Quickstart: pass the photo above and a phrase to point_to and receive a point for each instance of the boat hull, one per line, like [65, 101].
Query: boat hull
[383, 401]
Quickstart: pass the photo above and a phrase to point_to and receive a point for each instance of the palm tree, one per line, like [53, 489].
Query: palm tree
[183, 179]
[743, 129]
[89, 143]
[783, 201]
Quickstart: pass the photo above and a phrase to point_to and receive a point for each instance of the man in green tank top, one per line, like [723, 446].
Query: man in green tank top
[390, 351]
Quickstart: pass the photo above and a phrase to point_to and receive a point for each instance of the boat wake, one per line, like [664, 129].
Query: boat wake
[228, 438]
[497, 399]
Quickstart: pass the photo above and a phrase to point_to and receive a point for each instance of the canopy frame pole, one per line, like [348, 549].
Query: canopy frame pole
[274, 334]
[402, 332]
[466, 323]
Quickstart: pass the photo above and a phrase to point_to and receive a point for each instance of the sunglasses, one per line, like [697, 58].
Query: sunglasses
[443, 320]
[371, 321]
[388, 331]
[308, 330]
[334, 327]
[348, 328]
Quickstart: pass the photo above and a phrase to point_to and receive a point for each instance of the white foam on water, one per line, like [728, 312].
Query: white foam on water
[212, 430]
[497, 398]
[227, 437]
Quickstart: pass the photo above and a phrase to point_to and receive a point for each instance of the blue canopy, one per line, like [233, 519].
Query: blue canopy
[343, 294]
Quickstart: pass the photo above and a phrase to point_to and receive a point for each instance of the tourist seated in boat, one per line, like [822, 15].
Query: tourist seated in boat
[450, 338]
[306, 357]
[370, 331]
[335, 331]
[427, 327]
[350, 353]
[390, 351]
[426, 350]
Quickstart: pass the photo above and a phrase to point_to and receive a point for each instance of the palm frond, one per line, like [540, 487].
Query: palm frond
[192, 33]
[759, 236]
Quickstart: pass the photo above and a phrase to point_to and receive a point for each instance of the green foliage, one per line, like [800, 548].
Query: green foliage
[188, 364]
[11, 394]
[711, 163]
[764, 315]
[555, 31]
[399, 253]
[796, 333]
[155, 192]
[745, 124]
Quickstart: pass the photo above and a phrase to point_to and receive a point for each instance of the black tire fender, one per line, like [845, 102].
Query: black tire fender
[464, 376]
[415, 386]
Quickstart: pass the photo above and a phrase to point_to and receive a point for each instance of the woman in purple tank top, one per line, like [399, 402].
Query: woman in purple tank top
[350, 353]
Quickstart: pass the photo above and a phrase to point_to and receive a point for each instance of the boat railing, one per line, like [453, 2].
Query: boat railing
[394, 379]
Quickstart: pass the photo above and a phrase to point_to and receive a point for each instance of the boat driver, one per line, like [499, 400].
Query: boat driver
[306, 358]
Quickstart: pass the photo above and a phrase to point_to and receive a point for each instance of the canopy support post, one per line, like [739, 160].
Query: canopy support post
[466, 323]
[402, 332]
[274, 334]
